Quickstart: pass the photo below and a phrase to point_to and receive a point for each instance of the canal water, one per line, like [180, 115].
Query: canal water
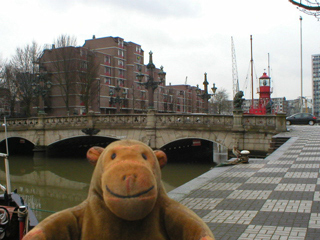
[52, 184]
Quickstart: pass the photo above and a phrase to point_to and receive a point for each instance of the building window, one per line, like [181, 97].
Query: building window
[107, 80]
[125, 93]
[120, 53]
[107, 59]
[84, 65]
[138, 67]
[107, 70]
[120, 82]
[111, 91]
[83, 52]
[120, 42]
[121, 63]
[121, 73]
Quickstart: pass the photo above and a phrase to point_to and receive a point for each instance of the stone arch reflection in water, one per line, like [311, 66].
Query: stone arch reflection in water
[54, 184]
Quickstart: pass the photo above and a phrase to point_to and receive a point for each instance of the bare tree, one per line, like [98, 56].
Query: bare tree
[8, 75]
[65, 66]
[26, 59]
[4, 94]
[2, 66]
[23, 70]
[74, 71]
[65, 41]
[220, 102]
[89, 84]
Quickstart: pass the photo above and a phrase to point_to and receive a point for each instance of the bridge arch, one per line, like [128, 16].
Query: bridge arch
[195, 149]
[17, 145]
[246, 132]
[77, 145]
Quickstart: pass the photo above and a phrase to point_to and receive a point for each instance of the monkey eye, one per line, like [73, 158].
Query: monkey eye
[113, 156]
[144, 156]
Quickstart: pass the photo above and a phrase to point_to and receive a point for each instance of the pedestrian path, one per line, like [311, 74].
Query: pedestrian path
[273, 198]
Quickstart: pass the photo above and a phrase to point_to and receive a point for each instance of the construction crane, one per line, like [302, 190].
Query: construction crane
[235, 80]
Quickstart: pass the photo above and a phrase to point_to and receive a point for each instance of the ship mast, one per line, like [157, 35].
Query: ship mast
[252, 103]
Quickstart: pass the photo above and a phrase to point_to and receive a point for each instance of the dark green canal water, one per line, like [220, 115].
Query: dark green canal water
[52, 184]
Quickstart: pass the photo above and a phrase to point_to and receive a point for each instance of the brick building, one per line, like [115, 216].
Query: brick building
[279, 105]
[116, 87]
[316, 84]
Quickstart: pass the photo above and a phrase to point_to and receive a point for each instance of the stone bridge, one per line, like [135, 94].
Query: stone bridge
[252, 132]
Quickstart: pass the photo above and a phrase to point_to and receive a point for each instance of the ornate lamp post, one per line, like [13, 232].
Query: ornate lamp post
[205, 95]
[117, 100]
[41, 86]
[151, 84]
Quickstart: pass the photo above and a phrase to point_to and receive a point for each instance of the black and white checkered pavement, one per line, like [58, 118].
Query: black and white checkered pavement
[273, 198]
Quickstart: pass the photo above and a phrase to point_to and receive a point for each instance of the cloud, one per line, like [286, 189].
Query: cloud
[155, 8]
[188, 37]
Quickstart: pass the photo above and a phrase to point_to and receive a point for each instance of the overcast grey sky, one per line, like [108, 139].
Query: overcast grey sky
[187, 37]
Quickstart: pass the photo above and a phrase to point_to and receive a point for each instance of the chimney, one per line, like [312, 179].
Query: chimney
[53, 46]
[94, 37]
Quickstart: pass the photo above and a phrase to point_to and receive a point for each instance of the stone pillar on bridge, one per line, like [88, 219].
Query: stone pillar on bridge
[238, 129]
[40, 148]
[281, 122]
[90, 120]
[151, 129]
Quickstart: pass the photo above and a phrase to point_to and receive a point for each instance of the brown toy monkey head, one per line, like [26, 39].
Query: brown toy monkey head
[128, 177]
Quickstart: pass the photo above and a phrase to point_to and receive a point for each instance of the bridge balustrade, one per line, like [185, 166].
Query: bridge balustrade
[155, 129]
[121, 119]
[77, 121]
[248, 121]
[259, 122]
[195, 121]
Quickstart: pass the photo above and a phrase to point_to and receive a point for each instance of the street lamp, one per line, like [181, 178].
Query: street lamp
[205, 95]
[117, 100]
[151, 85]
[301, 69]
[40, 87]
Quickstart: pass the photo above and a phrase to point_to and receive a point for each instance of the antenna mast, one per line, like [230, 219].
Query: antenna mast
[235, 79]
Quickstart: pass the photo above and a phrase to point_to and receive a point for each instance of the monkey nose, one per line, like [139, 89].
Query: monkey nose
[128, 177]
[129, 180]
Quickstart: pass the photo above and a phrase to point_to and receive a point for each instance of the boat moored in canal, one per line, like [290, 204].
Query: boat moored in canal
[16, 218]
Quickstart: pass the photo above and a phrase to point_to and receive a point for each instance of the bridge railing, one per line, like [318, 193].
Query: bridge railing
[160, 120]
[106, 121]
[259, 121]
[194, 121]
[222, 122]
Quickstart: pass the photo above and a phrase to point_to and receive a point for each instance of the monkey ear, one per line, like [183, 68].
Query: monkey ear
[93, 155]
[162, 158]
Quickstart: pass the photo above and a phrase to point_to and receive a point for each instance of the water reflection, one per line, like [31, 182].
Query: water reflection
[52, 184]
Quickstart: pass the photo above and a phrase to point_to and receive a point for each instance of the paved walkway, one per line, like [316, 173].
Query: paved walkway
[273, 198]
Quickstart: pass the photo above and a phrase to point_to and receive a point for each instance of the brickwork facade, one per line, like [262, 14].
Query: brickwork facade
[116, 89]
